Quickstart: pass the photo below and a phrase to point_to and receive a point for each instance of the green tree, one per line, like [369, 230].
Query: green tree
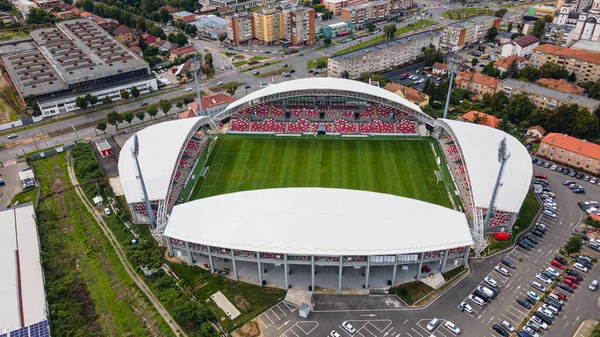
[231, 90]
[500, 13]
[91, 99]
[474, 61]
[319, 8]
[585, 124]
[431, 55]
[519, 108]
[128, 117]
[190, 5]
[553, 70]
[124, 94]
[529, 73]
[38, 16]
[81, 102]
[222, 37]
[164, 15]
[364, 77]
[389, 31]
[155, 16]
[539, 28]
[513, 69]
[152, 110]
[102, 127]
[510, 27]
[321, 64]
[548, 18]
[86, 5]
[345, 74]
[492, 33]
[497, 102]
[371, 26]
[179, 105]
[106, 100]
[140, 115]
[560, 119]
[572, 77]
[327, 41]
[142, 43]
[208, 62]
[135, 92]
[306, 3]
[114, 118]
[516, 35]
[574, 245]
[165, 105]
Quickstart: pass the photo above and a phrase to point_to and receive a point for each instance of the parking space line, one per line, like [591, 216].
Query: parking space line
[269, 318]
[413, 329]
[365, 328]
[284, 314]
[273, 311]
[260, 319]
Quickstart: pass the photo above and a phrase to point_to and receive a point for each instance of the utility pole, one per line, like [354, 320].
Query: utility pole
[503, 156]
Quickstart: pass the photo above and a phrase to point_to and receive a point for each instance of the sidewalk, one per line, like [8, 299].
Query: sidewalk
[585, 329]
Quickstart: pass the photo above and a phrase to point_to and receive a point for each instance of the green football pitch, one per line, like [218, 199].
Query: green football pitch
[394, 166]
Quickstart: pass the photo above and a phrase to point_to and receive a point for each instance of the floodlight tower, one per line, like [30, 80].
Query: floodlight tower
[135, 152]
[452, 70]
[503, 156]
[196, 66]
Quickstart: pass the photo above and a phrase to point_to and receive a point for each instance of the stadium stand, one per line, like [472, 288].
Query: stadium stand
[314, 127]
[376, 126]
[260, 110]
[312, 113]
[299, 126]
[343, 126]
[368, 113]
[268, 125]
[240, 124]
[277, 111]
[406, 126]
[330, 113]
[297, 113]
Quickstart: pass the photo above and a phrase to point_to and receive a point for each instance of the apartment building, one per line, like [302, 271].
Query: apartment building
[382, 56]
[557, 35]
[544, 97]
[476, 83]
[571, 151]
[239, 29]
[585, 64]
[268, 26]
[521, 46]
[461, 33]
[374, 11]
[298, 27]
[336, 5]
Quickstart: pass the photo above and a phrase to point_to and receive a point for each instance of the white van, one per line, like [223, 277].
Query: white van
[487, 291]
[476, 300]
[538, 286]
[551, 308]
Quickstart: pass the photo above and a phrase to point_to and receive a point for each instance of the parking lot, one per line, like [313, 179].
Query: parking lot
[9, 172]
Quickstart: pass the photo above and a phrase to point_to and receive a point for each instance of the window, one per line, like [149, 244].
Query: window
[559, 157]
[562, 151]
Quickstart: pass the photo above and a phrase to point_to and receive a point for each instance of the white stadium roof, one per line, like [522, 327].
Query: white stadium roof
[479, 145]
[324, 83]
[327, 221]
[159, 147]
[19, 231]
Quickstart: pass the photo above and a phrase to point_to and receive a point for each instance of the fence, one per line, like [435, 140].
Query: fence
[51, 152]
[20, 122]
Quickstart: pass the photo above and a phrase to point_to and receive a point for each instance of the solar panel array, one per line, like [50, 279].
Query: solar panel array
[41, 329]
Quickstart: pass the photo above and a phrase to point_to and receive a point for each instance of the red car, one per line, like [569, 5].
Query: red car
[557, 264]
[540, 176]
[559, 295]
[570, 283]
[405, 74]
[572, 278]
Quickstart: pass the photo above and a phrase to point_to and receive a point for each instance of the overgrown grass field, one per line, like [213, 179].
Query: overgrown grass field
[395, 166]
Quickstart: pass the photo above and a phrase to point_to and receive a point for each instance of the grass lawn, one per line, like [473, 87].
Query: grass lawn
[402, 30]
[262, 65]
[250, 299]
[411, 292]
[394, 166]
[258, 58]
[239, 63]
[24, 197]
[313, 63]
[224, 86]
[453, 272]
[274, 72]
[530, 208]
[466, 13]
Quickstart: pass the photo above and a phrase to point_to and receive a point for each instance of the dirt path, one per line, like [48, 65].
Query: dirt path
[113, 241]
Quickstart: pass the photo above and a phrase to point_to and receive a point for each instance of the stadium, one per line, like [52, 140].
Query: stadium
[323, 183]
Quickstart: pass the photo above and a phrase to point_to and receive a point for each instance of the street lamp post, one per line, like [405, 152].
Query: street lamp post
[76, 134]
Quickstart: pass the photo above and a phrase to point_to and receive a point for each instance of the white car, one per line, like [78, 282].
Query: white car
[594, 285]
[452, 327]
[543, 278]
[502, 270]
[539, 322]
[546, 312]
[553, 167]
[530, 331]
[334, 333]
[433, 324]
[348, 327]
[188, 89]
[220, 82]
[466, 307]
[552, 271]
[491, 281]
[508, 326]
[581, 267]
[107, 211]
[593, 181]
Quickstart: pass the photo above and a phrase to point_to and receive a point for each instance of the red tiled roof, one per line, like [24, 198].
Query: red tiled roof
[183, 50]
[539, 129]
[505, 63]
[187, 114]
[525, 40]
[485, 80]
[488, 120]
[409, 93]
[440, 66]
[584, 55]
[561, 85]
[211, 101]
[169, 9]
[122, 29]
[573, 144]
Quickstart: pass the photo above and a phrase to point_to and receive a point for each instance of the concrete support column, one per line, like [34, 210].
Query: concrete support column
[420, 266]
[189, 253]
[210, 259]
[466, 257]
[285, 270]
[312, 272]
[235, 275]
[367, 273]
[395, 269]
[340, 276]
[260, 280]
[444, 261]
[170, 246]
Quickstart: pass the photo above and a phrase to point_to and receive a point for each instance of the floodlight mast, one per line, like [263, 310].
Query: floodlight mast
[139, 176]
[503, 156]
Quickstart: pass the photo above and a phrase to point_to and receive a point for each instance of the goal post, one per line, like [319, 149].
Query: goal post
[438, 176]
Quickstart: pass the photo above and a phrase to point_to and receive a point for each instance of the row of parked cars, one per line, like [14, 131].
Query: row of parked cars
[566, 171]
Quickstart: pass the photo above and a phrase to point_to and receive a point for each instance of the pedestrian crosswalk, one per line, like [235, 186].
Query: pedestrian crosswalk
[9, 162]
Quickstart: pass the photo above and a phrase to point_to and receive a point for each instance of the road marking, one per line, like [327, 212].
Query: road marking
[273, 311]
[260, 319]
[269, 318]
[284, 314]
[405, 322]
[284, 324]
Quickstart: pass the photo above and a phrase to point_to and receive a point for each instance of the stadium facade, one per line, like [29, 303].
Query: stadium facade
[251, 239]
[71, 59]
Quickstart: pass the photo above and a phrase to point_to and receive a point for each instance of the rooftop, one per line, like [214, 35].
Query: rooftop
[472, 21]
[564, 97]
[211, 101]
[385, 45]
[293, 216]
[484, 119]
[561, 85]
[525, 41]
[583, 55]
[505, 63]
[572, 144]
[183, 50]
[586, 45]
[210, 21]
[183, 13]
[411, 94]
[20, 236]
[440, 66]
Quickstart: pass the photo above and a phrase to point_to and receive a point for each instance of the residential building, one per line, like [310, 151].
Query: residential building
[164, 45]
[586, 20]
[169, 9]
[374, 11]
[239, 29]
[503, 37]
[211, 26]
[561, 85]
[63, 62]
[458, 34]
[481, 118]
[571, 151]
[336, 5]
[235, 5]
[476, 83]
[504, 64]
[439, 69]
[587, 45]
[268, 26]
[181, 52]
[330, 30]
[211, 104]
[557, 34]
[298, 27]
[539, 11]
[107, 24]
[544, 97]
[124, 34]
[46, 4]
[184, 16]
[414, 95]
[521, 46]
[382, 56]
[585, 64]
[537, 132]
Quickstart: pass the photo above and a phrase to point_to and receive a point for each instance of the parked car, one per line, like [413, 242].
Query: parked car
[532, 295]
[594, 285]
[552, 271]
[491, 281]
[348, 327]
[578, 190]
[465, 307]
[12, 136]
[507, 326]
[524, 303]
[433, 324]
[564, 286]
[500, 330]
[557, 264]
[543, 278]
[144, 103]
[452, 327]
[581, 267]
[540, 176]
[508, 263]
[574, 273]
